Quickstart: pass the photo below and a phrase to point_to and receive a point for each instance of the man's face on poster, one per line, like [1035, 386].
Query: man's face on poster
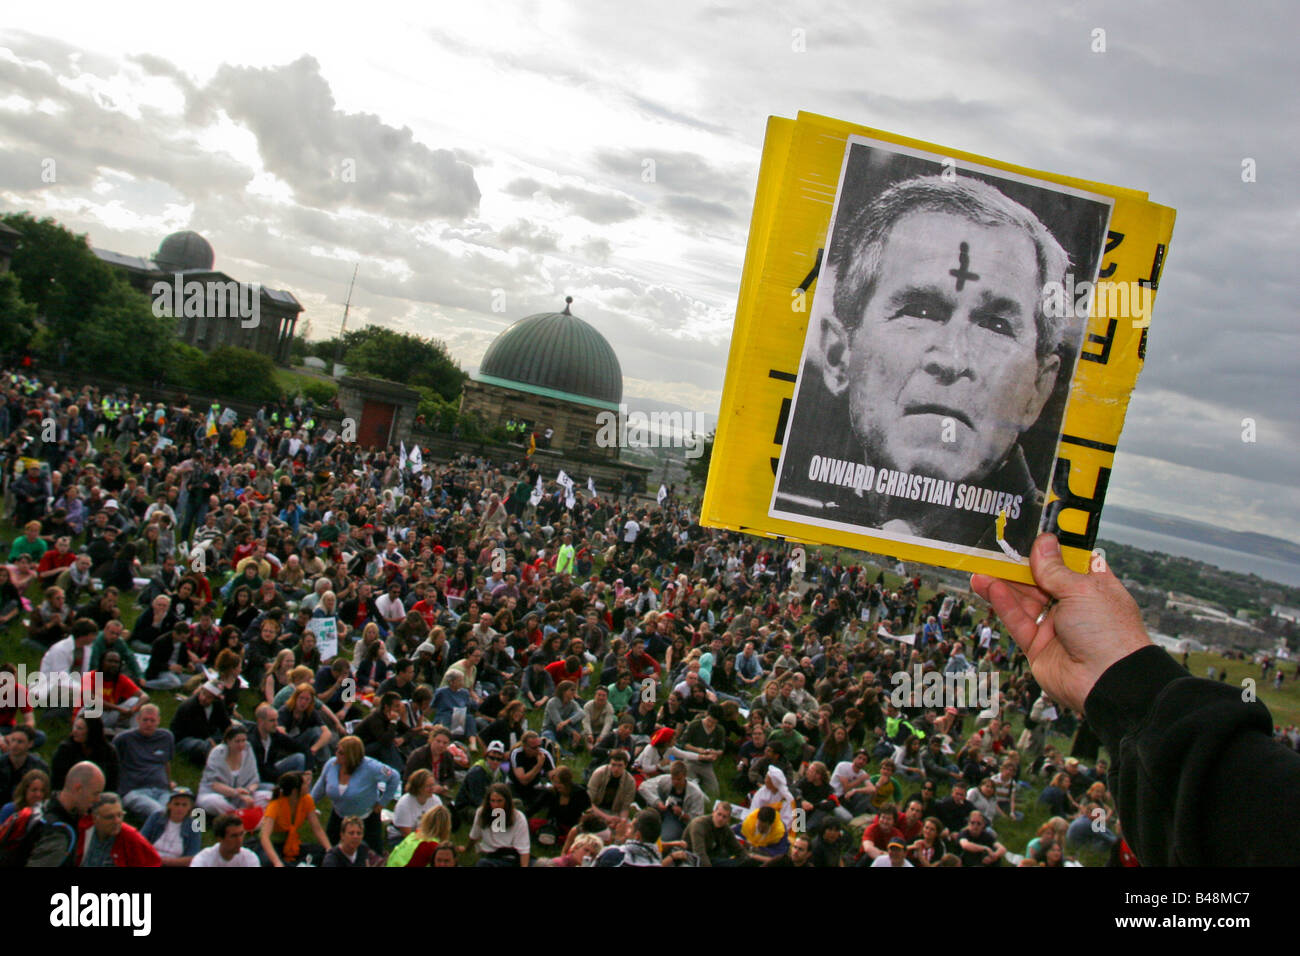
[942, 371]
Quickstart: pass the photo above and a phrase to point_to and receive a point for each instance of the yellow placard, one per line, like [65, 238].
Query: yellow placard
[933, 350]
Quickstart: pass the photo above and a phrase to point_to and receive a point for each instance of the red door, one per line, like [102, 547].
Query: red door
[376, 422]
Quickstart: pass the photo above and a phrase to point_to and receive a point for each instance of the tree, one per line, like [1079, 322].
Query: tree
[400, 357]
[231, 372]
[698, 468]
[17, 316]
[93, 318]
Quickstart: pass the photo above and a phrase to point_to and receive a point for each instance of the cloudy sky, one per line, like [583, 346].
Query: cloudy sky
[481, 164]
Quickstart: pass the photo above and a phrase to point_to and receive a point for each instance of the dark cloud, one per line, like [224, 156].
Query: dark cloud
[529, 236]
[523, 188]
[601, 207]
[680, 172]
[334, 159]
[700, 211]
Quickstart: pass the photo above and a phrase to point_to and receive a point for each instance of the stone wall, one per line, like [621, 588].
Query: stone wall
[575, 425]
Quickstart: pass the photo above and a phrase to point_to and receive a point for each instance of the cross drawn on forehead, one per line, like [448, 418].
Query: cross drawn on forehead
[962, 272]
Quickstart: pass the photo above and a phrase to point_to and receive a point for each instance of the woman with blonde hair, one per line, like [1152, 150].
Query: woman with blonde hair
[579, 848]
[1056, 795]
[419, 846]
[1051, 830]
[327, 609]
[358, 786]
[277, 677]
[1098, 794]
[301, 720]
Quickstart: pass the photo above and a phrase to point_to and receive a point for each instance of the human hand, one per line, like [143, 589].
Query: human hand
[1093, 623]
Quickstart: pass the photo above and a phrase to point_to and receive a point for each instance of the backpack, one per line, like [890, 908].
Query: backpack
[20, 833]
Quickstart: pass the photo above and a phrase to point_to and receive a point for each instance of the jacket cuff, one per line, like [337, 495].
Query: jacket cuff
[1120, 702]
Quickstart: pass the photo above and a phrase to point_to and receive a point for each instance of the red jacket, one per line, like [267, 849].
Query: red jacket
[130, 849]
[559, 673]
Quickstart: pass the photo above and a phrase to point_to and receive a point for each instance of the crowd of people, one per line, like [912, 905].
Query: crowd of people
[448, 665]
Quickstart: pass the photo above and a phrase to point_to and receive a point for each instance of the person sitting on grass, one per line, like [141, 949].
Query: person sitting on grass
[418, 847]
[979, 847]
[291, 806]
[229, 850]
[876, 837]
[174, 831]
[565, 719]
[351, 850]
[107, 840]
[500, 831]
[764, 833]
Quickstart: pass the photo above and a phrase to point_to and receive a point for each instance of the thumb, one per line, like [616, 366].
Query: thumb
[1049, 570]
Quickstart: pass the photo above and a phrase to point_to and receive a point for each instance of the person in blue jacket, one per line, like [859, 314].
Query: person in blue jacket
[175, 831]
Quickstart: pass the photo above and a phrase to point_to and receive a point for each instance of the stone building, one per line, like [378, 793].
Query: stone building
[554, 371]
[211, 308]
[381, 412]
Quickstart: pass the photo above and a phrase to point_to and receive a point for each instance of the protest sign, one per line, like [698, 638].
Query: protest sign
[933, 350]
[326, 630]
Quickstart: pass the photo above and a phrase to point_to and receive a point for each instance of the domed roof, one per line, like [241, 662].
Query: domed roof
[183, 251]
[559, 352]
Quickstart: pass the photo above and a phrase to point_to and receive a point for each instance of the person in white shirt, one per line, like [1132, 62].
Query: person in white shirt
[67, 659]
[498, 829]
[229, 850]
[630, 531]
[390, 605]
[895, 857]
[851, 783]
[415, 802]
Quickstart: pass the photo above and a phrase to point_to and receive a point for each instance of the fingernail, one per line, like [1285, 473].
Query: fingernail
[1048, 546]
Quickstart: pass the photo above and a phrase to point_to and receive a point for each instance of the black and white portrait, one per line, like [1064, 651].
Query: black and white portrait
[935, 373]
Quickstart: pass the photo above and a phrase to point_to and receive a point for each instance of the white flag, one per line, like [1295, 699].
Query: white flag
[401, 462]
[903, 638]
[416, 459]
[570, 501]
[564, 480]
[663, 493]
[591, 485]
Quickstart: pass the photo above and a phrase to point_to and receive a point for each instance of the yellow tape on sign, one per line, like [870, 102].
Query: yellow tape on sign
[933, 350]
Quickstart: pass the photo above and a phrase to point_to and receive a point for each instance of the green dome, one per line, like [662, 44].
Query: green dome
[184, 251]
[559, 352]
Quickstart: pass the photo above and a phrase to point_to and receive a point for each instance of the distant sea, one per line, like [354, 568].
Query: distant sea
[1283, 572]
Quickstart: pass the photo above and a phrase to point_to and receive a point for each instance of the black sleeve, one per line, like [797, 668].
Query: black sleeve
[159, 656]
[185, 723]
[1181, 747]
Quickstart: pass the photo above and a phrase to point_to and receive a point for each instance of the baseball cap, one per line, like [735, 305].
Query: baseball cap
[212, 687]
[180, 792]
[496, 747]
[897, 843]
[427, 648]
